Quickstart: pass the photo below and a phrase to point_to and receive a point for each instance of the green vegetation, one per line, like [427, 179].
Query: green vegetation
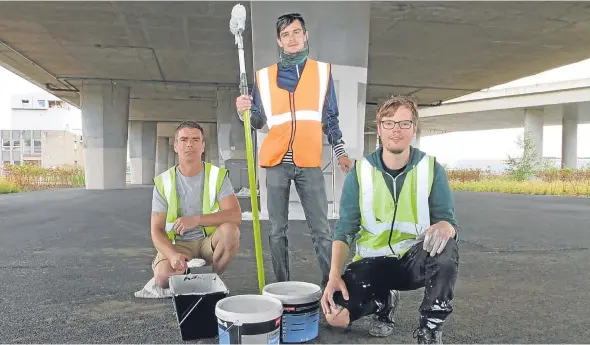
[8, 186]
[29, 178]
[527, 174]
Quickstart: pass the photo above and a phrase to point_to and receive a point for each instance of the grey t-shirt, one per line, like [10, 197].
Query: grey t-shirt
[190, 191]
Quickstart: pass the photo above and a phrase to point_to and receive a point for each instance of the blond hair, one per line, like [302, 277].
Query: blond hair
[390, 106]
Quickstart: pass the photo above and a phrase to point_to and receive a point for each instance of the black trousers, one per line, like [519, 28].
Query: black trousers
[369, 280]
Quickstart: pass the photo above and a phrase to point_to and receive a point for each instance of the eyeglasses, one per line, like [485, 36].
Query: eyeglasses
[390, 124]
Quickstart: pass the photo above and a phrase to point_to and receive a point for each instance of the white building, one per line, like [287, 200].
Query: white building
[42, 130]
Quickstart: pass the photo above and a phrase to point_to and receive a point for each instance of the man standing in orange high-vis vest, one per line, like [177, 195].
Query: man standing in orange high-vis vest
[295, 98]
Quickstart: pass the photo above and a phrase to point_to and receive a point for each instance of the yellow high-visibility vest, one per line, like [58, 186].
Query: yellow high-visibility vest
[378, 236]
[166, 185]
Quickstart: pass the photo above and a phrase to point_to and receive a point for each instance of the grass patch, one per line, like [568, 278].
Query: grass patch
[31, 178]
[7, 187]
[572, 182]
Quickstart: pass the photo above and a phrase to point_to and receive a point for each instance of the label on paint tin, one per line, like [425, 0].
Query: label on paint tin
[252, 333]
[300, 323]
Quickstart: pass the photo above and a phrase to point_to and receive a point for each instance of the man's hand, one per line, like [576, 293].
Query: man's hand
[243, 103]
[437, 236]
[345, 164]
[178, 261]
[334, 284]
[182, 224]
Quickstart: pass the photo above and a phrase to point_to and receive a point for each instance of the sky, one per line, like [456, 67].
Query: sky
[498, 144]
[448, 148]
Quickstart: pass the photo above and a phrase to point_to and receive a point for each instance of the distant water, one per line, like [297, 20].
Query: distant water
[498, 166]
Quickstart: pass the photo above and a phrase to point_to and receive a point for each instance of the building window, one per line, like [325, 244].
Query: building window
[37, 146]
[15, 139]
[6, 143]
[56, 104]
[25, 103]
[41, 103]
[27, 143]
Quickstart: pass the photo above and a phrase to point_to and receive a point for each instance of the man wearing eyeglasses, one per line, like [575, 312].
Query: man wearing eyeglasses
[398, 202]
[295, 98]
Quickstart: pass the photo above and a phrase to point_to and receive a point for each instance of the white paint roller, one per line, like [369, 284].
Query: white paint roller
[237, 25]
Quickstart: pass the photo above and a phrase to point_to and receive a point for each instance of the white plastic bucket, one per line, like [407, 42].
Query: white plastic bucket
[249, 319]
[301, 309]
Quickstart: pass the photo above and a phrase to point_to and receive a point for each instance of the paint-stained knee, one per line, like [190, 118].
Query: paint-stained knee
[339, 318]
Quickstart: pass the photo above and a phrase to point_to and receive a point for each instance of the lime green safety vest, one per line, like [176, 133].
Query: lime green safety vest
[166, 184]
[377, 210]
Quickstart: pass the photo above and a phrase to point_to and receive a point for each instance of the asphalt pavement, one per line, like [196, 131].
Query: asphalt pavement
[70, 261]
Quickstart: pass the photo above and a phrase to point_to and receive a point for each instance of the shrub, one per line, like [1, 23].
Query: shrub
[30, 178]
[8, 186]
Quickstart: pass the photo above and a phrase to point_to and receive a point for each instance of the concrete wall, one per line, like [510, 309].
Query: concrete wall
[61, 148]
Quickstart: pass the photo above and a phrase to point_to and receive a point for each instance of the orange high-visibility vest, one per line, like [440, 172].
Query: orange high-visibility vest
[294, 119]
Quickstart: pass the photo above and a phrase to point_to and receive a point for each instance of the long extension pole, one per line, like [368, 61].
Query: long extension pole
[237, 25]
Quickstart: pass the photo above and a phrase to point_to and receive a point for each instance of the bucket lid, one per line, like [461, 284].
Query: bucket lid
[242, 309]
[293, 292]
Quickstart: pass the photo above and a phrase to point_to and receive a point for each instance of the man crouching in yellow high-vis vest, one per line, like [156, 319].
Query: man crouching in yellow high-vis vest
[398, 202]
[195, 213]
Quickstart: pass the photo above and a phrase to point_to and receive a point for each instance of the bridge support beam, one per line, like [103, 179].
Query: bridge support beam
[416, 139]
[569, 136]
[161, 155]
[171, 154]
[533, 125]
[142, 151]
[105, 117]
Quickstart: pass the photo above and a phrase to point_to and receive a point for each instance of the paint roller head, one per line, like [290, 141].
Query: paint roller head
[237, 23]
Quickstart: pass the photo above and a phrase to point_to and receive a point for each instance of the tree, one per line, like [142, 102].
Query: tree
[525, 167]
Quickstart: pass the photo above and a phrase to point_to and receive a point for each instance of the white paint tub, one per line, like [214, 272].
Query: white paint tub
[249, 319]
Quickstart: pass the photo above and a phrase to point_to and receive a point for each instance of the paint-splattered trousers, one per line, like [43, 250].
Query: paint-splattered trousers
[369, 281]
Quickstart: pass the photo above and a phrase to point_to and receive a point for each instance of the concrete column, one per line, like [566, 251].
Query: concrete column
[171, 155]
[142, 151]
[105, 116]
[416, 139]
[231, 143]
[211, 149]
[338, 34]
[569, 136]
[371, 142]
[161, 155]
[533, 124]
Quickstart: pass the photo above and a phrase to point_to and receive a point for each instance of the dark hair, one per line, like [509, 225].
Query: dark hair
[286, 20]
[188, 124]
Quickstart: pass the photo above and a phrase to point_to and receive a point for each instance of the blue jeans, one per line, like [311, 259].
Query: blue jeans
[310, 185]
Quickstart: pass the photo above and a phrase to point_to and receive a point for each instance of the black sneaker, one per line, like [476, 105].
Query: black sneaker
[426, 335]
[383, 321]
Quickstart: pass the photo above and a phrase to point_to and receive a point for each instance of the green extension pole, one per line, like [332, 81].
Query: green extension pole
[254, 201]
[237, 25]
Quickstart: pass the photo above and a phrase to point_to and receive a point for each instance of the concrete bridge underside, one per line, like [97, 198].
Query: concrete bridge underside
[173, 61]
